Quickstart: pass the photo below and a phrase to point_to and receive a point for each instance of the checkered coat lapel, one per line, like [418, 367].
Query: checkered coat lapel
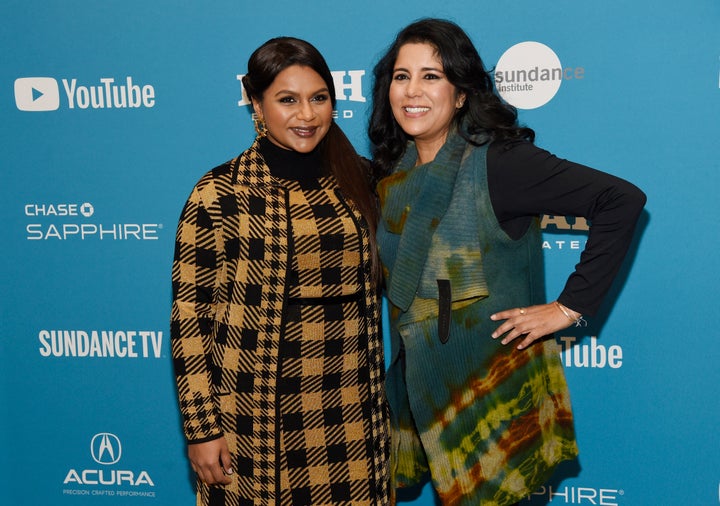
[264, 282]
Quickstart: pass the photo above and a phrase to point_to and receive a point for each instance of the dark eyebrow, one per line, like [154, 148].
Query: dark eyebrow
[424, 69]
[291, 92]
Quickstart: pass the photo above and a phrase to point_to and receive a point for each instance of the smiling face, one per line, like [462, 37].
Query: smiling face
[296, 109]
[422, 99]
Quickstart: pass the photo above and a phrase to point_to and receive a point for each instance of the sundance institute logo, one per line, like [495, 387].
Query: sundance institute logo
[529, 74]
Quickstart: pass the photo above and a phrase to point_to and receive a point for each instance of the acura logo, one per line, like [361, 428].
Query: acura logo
[105, 448]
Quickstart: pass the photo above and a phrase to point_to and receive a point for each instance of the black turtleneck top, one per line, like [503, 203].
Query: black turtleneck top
[289, 164]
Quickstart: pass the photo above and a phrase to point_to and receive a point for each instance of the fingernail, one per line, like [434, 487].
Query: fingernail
[230, 471]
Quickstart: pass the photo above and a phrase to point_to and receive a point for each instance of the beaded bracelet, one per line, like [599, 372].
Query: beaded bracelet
[579, 321]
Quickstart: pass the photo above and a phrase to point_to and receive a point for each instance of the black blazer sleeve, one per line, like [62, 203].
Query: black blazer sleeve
[526, 181]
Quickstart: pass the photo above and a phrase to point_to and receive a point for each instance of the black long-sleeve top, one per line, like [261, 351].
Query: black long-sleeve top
[526, 181]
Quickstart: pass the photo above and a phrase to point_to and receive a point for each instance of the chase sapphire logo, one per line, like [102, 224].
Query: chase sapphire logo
[105, 448]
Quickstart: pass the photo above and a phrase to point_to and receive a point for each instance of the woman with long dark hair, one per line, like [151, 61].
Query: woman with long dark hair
[478, 398]
[275, 316]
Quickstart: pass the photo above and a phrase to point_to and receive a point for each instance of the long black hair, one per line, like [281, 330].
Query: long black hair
[338, 154]
[482, 113]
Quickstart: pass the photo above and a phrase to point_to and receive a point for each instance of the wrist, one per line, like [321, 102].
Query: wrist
[571, 315]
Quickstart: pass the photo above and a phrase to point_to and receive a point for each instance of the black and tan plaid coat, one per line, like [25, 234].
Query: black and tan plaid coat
[229, 290]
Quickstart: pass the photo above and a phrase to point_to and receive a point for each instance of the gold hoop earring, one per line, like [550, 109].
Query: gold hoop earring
[260, 128]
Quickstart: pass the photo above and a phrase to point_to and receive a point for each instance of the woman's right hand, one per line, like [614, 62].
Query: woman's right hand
[535, 322]
[211, 461]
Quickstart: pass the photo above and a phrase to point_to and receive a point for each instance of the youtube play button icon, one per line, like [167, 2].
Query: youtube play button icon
[37, 94]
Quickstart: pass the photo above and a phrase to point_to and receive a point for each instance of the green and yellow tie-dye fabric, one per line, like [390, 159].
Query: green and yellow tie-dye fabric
[487, 423]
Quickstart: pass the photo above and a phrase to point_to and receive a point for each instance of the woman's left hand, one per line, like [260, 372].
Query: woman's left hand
[531, 323]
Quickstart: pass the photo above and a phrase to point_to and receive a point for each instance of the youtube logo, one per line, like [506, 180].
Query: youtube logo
[37, 94]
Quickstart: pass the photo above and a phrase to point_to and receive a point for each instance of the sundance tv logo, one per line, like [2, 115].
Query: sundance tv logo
[39, 94]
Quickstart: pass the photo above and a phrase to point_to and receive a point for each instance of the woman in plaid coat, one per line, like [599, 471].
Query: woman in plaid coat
[275, 316]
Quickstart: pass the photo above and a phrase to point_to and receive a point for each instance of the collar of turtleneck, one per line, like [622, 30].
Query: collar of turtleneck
[289, 164]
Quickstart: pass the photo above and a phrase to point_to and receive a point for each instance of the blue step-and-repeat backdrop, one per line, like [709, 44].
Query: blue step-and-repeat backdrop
[110, 112]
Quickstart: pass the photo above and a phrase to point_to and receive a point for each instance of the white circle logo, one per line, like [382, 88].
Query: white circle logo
[528, 75]
[105, 448]
[87, 209]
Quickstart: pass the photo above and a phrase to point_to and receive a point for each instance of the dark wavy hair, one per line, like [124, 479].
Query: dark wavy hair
[339, 157]
[483, 114]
